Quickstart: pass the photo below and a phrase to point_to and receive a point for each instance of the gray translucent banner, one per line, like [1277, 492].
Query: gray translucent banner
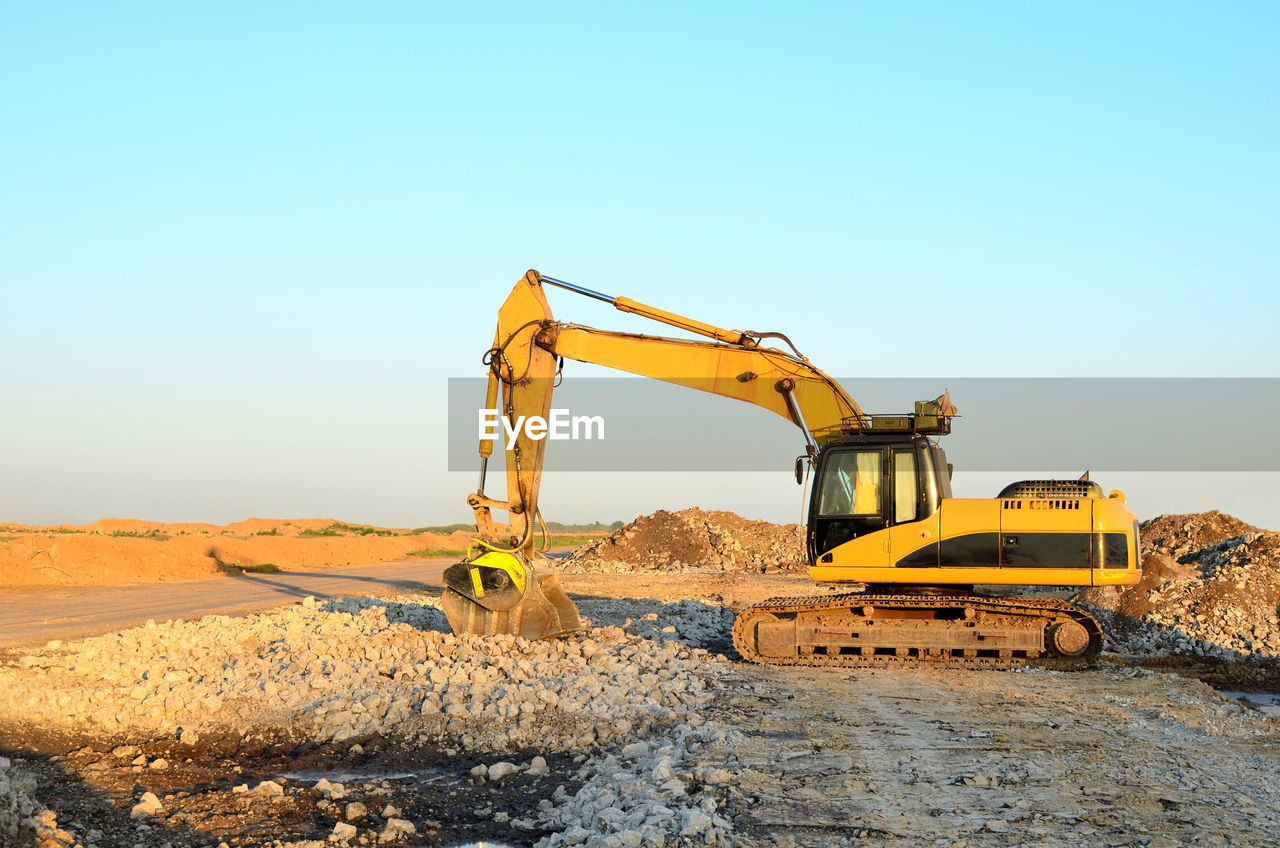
[1017, 424]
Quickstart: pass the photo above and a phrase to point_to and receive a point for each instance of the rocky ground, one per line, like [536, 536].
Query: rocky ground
[353, 686]
[362, 721]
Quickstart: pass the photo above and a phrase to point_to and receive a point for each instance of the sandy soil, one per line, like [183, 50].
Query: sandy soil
[118, 551]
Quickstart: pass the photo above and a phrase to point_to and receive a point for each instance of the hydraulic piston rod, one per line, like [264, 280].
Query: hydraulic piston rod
[626, 304]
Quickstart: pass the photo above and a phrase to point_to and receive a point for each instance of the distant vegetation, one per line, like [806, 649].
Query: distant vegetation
[235, 567]
[562, 539]
[153, 534]
[556, 540]
[444, 529]
[428, 553]
[552, 527]
[7, 529]
[561, 534]
[337, 528]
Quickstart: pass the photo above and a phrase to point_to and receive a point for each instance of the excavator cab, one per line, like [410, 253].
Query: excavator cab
[869, 484]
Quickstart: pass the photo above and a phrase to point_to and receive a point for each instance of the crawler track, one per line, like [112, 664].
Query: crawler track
[879, 630]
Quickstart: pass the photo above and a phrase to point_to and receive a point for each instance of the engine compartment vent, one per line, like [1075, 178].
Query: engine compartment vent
[1052, 489]
[1041, 503]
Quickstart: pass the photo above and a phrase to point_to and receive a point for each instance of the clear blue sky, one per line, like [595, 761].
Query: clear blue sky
[242, 246]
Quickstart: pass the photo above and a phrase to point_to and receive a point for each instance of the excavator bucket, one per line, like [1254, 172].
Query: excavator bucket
[498, 592]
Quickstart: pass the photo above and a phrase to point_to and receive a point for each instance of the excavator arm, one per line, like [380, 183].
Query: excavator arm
[524, 362]
[529, 344]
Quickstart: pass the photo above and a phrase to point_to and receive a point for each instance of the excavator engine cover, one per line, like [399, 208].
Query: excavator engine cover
[498, 592]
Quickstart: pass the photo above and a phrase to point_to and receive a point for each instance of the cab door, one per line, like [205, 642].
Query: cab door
[913, 534]
[851, 507]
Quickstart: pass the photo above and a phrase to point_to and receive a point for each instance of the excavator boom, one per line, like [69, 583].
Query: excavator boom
[523, 364]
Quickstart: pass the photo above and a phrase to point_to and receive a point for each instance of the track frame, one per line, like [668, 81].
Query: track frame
[860, 630]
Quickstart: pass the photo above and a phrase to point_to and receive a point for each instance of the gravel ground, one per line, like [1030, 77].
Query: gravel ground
[1116, 756]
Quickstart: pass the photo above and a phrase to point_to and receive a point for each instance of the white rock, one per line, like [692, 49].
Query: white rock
[324, 788]
[499, 770]
[695, 823]
[396, 830]
[268, 789]
[147, 806]
[663, 771]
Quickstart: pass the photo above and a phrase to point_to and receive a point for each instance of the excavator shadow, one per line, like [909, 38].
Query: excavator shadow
[307, 580]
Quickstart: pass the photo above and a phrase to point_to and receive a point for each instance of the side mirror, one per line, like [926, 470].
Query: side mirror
[800, 469]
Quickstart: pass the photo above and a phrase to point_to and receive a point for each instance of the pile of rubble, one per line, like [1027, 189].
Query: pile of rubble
[1210, 588]
[692, 540]
[349, 670]
[336, 670]
[1179, 536]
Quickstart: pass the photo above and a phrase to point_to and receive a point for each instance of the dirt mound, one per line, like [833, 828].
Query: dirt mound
[693, 539]
[1181, 536]
[1134, 601]
[1203, 592]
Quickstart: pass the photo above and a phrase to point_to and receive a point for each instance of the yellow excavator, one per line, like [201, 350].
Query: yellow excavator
[881, 515]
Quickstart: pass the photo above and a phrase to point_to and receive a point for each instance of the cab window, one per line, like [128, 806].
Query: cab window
[851, 484]
[906, 498]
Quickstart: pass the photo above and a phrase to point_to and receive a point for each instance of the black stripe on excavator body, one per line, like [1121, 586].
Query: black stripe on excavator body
[1023, 550]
